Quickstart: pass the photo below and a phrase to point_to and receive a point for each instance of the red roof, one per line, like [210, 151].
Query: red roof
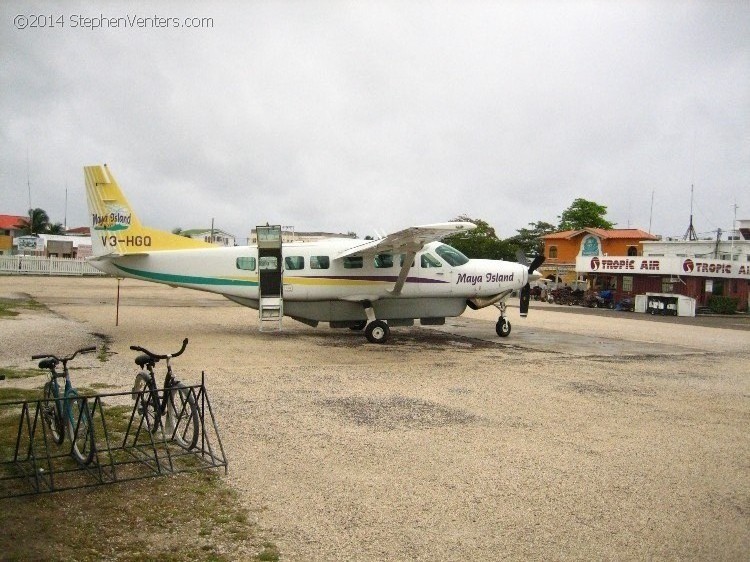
[615, 233]
[11, 222]
[83, 230]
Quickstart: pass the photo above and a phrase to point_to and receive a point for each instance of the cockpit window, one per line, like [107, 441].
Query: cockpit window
[429, 260]
[451, 255]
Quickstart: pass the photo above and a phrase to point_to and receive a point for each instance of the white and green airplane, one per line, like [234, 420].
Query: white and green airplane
[359, 284]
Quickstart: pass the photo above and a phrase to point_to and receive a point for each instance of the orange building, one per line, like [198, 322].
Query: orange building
[562, 248]
[8, 230]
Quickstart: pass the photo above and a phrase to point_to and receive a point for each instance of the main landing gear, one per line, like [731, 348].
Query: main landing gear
[503, 326]
[376, 331]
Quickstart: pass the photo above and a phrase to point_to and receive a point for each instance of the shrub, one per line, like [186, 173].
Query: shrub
[723, 305]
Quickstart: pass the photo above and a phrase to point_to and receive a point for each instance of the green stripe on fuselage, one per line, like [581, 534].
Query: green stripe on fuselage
[186, 279]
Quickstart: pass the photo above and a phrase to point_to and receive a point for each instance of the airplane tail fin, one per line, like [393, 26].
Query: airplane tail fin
[115, 229]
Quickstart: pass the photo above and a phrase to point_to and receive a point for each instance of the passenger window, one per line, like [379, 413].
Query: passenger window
[353, 262]
[248, 264]
[429, 260]
[268, 263]
[320, 262]
[294, 262]
[383, 261]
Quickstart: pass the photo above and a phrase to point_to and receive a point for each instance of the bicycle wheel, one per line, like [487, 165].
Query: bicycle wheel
[183, 421]
[144, 391]
[51, 413]
[80, 428]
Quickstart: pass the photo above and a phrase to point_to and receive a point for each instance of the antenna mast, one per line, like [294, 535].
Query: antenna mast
[690, 233]
[28, 181]
[651, 214]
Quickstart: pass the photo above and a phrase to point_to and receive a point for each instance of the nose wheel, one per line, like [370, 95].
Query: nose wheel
[502, 327]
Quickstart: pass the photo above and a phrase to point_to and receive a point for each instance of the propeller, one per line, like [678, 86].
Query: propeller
[526, 291]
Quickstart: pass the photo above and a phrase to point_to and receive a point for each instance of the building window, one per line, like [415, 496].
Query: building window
[247, 264]
[353, 262]
[320, 262]
[667, 285]
[627, 283]
[553, 252]
[294, 262]
[632, 251]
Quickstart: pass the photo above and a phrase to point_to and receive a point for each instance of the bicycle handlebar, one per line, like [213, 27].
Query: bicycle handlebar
[156, 356]
[65, 359]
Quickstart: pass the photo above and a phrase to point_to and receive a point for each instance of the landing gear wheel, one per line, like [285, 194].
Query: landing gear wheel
[359, 326]
[377, 331]
[502, 327]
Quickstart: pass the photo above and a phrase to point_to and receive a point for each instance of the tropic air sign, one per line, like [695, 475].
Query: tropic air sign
[663, 265]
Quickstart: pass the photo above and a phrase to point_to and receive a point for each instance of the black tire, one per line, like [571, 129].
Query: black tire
[147, 401]
[611, 305]
[377, 331]
[359, 326]
[183, 420]
[52, 415]
[80, 428]
[503, 327]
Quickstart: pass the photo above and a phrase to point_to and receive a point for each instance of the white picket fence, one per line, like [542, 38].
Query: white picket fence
[38, 265]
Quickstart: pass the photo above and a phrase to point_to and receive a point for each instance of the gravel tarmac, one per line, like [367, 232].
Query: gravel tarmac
[435, 446]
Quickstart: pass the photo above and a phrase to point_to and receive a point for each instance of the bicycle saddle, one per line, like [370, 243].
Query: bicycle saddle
[143, 360]
[48, 363]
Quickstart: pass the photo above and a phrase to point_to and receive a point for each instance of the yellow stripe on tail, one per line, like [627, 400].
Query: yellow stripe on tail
[115, 230]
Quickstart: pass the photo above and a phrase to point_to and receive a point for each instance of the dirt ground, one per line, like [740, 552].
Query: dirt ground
[438, 446]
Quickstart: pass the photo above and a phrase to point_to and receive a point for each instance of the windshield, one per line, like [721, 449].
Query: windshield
[451, 255]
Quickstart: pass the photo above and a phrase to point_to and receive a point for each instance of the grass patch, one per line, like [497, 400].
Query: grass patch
[10, 307]
[104, 351]
[16, 373]
[189, 516]
[183, 517]
[16, 394]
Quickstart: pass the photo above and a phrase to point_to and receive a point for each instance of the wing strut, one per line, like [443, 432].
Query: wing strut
[408, 259]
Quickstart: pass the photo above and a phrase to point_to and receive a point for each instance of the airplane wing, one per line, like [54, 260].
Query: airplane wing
[409, 240]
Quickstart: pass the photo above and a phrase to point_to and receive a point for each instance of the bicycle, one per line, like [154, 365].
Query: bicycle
[175, 402]
[65, 412]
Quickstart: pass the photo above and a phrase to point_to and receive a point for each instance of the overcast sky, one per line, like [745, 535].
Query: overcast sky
[357, 116]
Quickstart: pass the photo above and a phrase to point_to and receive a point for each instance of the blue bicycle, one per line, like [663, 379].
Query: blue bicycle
[64, 412]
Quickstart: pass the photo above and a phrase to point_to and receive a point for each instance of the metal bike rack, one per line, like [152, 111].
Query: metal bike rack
[127, 447]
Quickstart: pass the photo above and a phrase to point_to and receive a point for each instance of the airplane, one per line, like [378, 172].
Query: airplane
[369, 285]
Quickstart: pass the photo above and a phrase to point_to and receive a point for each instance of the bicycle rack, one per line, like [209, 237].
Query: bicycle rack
[127, 446]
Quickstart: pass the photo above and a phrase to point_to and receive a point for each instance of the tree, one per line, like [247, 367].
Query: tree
[481, 242]
[56, 228]
[529, 240]
[36, 223]
[584, 214]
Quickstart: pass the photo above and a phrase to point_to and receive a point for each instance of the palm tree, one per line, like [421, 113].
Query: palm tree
[37, 223]
[56, 228]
